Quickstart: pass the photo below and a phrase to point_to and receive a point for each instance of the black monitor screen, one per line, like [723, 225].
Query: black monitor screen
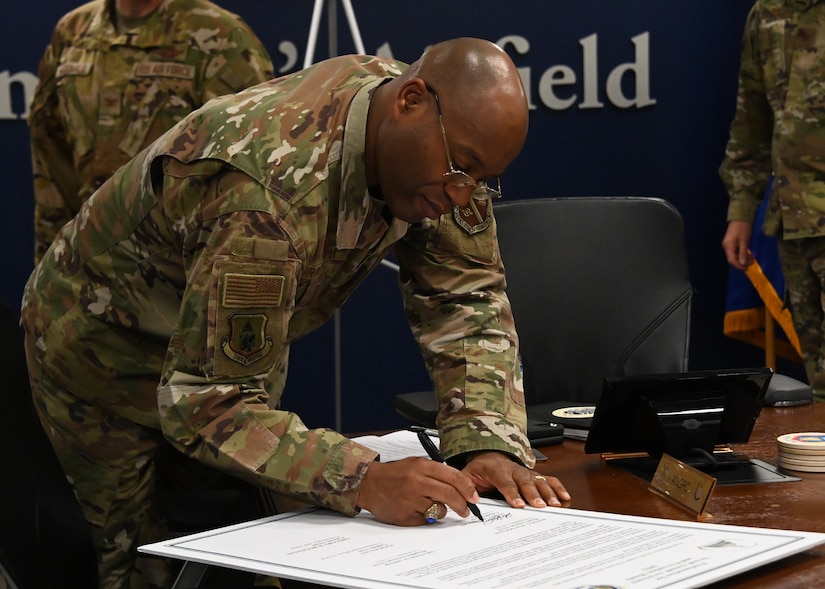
[677, 412]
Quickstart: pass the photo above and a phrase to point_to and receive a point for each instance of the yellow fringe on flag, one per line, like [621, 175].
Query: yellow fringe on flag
[749, 324]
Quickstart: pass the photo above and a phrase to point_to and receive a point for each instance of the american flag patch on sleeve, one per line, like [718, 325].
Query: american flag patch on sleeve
[241, 291]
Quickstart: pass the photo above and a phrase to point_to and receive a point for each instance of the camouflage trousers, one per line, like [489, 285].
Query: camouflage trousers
[803, 264]
[135, 488]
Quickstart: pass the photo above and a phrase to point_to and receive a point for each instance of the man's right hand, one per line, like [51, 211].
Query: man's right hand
[400, 492]
[735, 243]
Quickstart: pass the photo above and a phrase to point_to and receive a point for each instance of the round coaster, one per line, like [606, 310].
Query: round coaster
[782, 464]
[801, 453]
[583, 412]
[784, 458]
[804, 442]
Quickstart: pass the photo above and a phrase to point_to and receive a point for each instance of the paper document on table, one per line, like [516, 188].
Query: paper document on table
[394, 446]
[511, 548]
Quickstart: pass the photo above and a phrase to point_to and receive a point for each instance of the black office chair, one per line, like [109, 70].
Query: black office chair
[44, 540]
[599, 287]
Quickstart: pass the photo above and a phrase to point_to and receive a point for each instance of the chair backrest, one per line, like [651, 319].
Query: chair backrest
[599, 287]
[44, 539]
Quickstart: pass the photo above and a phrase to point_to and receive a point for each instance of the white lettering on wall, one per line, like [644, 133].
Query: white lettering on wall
[290, 51]
[641, 70]
[557, 86]
[28, 81]
[521, 46]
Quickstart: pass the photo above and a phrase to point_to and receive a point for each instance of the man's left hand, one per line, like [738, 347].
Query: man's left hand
[519, 485]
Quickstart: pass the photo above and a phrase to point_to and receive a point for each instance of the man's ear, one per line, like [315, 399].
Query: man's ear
[411, 95]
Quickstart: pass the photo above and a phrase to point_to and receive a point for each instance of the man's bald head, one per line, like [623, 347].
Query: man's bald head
[468, 66]
[476, 72]
[459, 109]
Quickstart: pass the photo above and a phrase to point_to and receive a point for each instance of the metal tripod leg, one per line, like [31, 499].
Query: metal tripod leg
[312, 41]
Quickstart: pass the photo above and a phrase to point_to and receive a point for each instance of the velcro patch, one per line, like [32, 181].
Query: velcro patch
[247, 341]
[73, 69]
[263, 249]
[111, 103]
[475, 217]
[164, 69]
[242, 291]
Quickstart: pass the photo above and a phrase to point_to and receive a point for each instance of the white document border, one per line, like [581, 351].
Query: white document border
[785, 543]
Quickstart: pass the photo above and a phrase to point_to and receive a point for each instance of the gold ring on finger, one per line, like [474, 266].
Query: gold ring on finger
[539, 477]
[433, 513]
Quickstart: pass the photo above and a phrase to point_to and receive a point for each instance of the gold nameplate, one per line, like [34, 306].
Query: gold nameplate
[688, 487]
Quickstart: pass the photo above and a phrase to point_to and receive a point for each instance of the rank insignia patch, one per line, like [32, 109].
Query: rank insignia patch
[247, 341]
[475, 217]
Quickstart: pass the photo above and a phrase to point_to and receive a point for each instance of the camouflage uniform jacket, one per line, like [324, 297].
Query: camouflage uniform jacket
[237, 232]
[103, 95]
[779, 126]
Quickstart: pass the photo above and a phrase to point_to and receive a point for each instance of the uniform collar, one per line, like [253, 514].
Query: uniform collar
[157, 30]
[360, 221]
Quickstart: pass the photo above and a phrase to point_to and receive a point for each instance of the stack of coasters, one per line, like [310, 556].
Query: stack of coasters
[802, 451]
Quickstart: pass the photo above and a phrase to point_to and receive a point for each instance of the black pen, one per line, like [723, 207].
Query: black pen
[434, 454]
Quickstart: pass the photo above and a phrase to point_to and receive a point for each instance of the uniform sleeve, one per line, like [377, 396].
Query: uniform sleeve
[226, 363]
[453, 285]
[56, 185]
[241, 61]
[746, 166]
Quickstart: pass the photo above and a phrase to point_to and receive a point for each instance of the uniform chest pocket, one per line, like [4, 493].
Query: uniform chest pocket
[468, 233]
[160, 95]
[78, 98]
[806, 80]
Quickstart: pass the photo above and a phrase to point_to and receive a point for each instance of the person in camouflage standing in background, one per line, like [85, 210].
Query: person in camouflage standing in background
[162, 315]
[779, 130]
[115, 76]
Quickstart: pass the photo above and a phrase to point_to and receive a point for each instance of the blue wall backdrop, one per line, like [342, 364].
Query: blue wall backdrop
[628, 97]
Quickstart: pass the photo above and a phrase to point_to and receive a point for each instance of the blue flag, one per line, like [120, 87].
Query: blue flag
[758, 289]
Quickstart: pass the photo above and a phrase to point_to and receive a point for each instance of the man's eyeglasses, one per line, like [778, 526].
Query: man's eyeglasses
[458, 183]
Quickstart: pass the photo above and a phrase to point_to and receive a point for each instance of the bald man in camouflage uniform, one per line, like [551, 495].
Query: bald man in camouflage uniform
[115, 76]
[779, 129]
[163, 313]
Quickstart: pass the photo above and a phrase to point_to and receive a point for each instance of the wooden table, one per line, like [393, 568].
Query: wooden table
[797, 505]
